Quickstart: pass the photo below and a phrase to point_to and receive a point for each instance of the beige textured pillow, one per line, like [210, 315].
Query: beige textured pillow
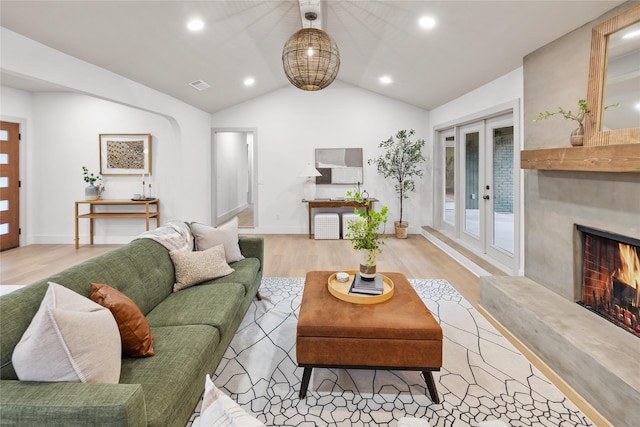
[226, 234]
[71, 339]
[219, 410]
[193, 267]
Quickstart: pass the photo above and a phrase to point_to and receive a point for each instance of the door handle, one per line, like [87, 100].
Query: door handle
[486, 197]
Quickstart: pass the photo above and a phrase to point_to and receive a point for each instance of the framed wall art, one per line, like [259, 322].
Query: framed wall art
[125, 154]
[339, 165]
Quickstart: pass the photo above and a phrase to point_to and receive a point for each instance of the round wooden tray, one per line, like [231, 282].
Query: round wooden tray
[340, 290]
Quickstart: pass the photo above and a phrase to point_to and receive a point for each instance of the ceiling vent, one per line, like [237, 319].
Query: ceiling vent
[199, 85]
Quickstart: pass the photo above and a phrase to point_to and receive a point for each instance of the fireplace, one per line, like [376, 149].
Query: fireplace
[611, 277]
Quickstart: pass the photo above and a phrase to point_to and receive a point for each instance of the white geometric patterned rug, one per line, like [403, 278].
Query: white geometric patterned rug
[483, 376]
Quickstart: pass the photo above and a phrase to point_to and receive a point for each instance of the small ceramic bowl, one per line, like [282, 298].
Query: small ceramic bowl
[342, 277]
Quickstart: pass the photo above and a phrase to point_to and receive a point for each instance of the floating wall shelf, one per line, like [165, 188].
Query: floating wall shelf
[601, 158]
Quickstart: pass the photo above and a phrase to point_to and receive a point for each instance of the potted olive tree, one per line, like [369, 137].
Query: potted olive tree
[401, 162]
[365, 234]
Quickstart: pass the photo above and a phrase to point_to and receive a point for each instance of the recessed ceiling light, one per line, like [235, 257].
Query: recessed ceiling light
[427, 22]
[249, 81]
[196, 24]
[385, 80]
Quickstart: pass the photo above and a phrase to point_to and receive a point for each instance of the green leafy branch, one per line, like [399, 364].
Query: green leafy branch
[363, 232]
[89, 177]
[583, 109]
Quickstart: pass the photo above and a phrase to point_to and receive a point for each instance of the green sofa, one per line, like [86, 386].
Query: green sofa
[192, 329]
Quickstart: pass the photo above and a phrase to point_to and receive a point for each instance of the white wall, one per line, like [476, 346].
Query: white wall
[502, 90]
[112, 104]
[67, 126]
[291, 123]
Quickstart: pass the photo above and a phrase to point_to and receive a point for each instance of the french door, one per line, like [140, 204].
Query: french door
[479, 191]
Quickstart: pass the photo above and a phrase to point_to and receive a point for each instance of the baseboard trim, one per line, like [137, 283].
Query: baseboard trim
[457, 256]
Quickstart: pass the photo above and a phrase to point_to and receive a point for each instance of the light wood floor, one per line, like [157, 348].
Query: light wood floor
[285, 256]
[245, 218]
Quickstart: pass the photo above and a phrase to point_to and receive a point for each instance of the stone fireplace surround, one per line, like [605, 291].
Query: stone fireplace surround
[596, 358]
[593, 356]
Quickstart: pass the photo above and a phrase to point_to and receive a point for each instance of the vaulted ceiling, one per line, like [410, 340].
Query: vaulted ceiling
[473, 42]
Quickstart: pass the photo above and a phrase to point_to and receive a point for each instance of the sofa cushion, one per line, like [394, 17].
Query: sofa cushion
[207, 304]
[172, 379]
[226, 234]
[135, 333]
[70, 338]
[142, 270]
[245, 272]
[193, 267]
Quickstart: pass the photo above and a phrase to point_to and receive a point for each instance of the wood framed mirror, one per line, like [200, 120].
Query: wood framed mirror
[607, 54]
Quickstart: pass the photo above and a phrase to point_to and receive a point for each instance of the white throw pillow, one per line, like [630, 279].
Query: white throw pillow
[193, 267]
[71, 339]
[219, 410]
[226, 234]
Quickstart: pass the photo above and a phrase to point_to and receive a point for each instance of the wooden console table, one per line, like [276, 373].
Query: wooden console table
[147, 214]
[327, 203]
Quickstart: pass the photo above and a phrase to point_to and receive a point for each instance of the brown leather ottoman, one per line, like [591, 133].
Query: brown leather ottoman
[398, 334]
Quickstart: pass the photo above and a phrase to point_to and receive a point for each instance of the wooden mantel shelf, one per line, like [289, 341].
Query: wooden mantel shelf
[601, 158]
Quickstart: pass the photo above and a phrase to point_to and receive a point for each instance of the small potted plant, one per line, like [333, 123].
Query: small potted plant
[93, 191]
[577, 136]
[365, 234]
[401, 162]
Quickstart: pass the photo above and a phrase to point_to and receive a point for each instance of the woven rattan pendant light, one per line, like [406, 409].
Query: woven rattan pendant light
[310, 58]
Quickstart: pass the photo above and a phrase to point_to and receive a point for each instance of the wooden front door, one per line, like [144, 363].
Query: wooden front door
[9, 185]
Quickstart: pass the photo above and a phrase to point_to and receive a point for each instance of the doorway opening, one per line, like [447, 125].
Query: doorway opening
[233, 176]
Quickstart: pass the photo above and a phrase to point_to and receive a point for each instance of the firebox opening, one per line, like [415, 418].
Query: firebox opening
[611, 277]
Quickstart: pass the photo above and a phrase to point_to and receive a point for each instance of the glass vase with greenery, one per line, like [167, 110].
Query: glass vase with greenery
[577, 135]
[95, 189]
[367, 233]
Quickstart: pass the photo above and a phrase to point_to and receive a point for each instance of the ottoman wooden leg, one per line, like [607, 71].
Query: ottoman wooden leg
[431, 385]
[306, 376]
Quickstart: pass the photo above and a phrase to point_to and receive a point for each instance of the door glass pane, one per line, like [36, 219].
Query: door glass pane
[4, 135]
[4, 159]
[4, 182]
[503, 188]
[472, 184]
[4, 205]
[449, 181]
[4, 228]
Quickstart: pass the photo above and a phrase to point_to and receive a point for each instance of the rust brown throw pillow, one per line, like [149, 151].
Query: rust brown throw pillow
[137, 339]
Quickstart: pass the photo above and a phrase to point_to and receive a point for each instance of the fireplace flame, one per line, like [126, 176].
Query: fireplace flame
[629, 272]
